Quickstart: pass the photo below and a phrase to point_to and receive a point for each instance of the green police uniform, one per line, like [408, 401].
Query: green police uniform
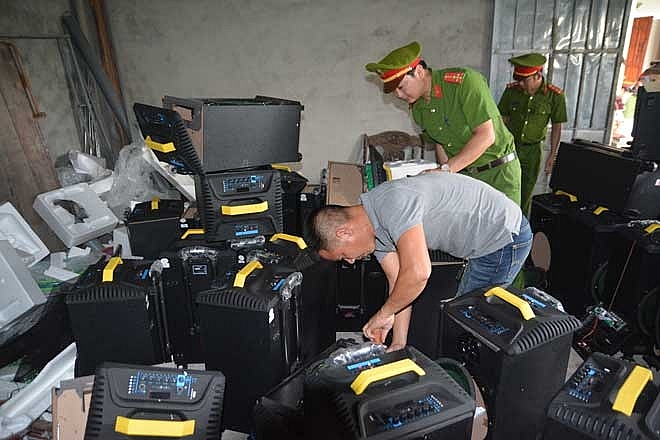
[460, 101]
[527, 118]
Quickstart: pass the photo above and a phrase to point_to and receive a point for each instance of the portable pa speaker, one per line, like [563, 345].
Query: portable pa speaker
[606, 398]
[231, 133]
[516, 346]
[165, 134]
[140, 401]
[154, 226]
[248, 327]
[186, 272]
[632, 281]
[585, 234]
[240, 205]
[116, 314]
[361, 291]
[597, 174]
[424, 330]
[366, 394]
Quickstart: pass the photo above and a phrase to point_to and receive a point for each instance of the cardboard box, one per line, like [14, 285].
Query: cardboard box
[344, 183]
[70, 408]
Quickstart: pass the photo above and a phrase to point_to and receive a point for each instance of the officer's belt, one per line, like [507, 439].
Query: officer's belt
[492, 164]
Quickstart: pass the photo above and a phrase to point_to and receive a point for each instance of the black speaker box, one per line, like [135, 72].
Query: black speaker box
[396, 395]
[516, 347]
[154, 226]
[606, 398]
[596, 174]
[140, 401]
[585, 234]
[632, 281]
[240, 205]
[187, 272]
[424, 330]
[250, 334]
[361, 291]
[116, 315]
[231, 133]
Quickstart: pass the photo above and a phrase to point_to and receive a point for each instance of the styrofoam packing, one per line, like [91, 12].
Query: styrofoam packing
[20, 235]
[100, 218]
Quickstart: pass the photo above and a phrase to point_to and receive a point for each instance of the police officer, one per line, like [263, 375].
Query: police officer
[527, 105]
[457, 113]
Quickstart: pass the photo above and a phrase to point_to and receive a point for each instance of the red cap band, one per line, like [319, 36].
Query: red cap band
[395, 73]
[526, 71]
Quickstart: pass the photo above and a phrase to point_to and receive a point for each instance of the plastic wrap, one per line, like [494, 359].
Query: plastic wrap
[356, 353]
[135, 180]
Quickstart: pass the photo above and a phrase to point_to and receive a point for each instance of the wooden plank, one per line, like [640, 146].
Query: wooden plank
[27, 169]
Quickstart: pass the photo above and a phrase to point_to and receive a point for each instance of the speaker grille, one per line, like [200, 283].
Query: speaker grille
[106, 293]
[542, 334]
[237, 299]
[95, 416]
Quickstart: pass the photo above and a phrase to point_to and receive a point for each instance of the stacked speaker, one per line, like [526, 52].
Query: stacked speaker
[223, 287]
[602, 199]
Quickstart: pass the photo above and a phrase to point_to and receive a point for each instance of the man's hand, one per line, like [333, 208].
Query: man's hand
[395, 347]
[378, 327]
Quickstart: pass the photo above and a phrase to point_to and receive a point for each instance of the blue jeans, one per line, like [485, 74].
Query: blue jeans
[498, 268]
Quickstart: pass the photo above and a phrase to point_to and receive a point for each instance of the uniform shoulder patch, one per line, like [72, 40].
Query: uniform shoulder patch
[454, 77]
[513, 85]
[555, 89]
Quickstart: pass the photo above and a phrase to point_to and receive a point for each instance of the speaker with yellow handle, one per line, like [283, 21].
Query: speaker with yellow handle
[144, 402]
[516, 345]
[240, 206]
[606, 397]
[362, 392]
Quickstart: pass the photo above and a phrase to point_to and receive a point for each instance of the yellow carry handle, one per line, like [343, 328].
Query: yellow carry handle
[650, 228]
[109, 269]
[245, 209]
[193, 231]
[367, 377]
[163, 148]
[154, 428]
[571, 197]
[388, 172]
[154, 203]
[281, 167]
[516, 301]
[600, 210]
[294, 238]
[631, 389]
[242, 274]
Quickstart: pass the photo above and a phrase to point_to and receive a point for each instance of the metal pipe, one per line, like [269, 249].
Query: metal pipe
[92, 61]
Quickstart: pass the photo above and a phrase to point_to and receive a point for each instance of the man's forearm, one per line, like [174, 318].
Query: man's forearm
[555, 137]
[483, 136]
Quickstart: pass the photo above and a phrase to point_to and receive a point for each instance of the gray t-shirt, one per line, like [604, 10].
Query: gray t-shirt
[462, 216]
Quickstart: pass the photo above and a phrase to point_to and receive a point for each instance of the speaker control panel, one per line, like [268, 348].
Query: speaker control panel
[401, 414]
[244, 184]
[592, 381]
[484, 321]
[162, 386]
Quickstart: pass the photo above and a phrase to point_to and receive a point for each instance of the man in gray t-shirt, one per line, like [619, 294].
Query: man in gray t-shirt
[399, 221]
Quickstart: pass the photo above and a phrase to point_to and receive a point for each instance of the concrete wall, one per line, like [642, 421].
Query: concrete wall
[43, 65]
[313, 51]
